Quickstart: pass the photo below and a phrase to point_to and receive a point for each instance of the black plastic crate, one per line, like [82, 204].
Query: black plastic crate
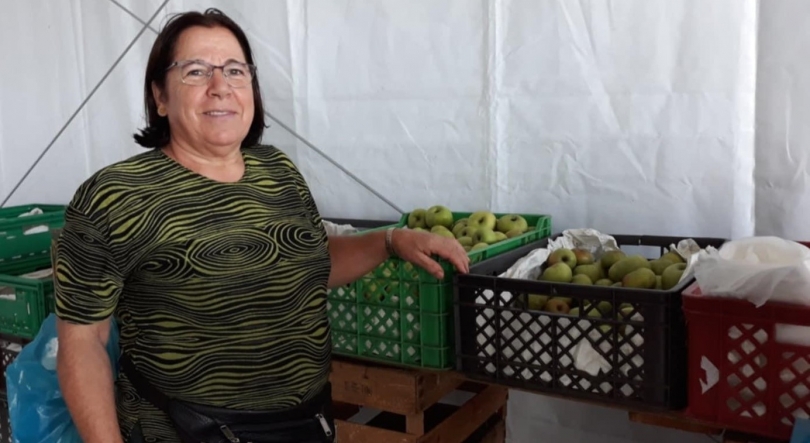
[642, 344]
[9, 348]
[5, 422]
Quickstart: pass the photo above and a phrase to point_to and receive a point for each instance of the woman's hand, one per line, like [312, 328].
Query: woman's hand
[417, 247]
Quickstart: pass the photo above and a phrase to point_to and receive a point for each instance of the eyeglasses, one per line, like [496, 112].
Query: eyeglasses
[199, 72]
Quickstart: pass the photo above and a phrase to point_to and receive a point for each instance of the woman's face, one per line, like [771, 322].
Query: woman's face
[213, 115]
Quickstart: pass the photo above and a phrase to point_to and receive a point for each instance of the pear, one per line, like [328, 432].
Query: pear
[537, 302]
[674, 257]
[659, 265]
[603, 282]
[643, 278]
[593, 271]
[610, 258]
[672, 276]
[626, 266]
[581, 279]
[500, 236]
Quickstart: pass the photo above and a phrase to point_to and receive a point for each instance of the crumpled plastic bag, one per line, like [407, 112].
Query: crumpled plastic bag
[37, 410]
[757, 269]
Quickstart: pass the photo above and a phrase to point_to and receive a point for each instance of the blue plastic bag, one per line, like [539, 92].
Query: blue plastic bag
[37, 411]
[801, 431]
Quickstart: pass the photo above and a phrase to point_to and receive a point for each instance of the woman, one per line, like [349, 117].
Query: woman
[210, 252]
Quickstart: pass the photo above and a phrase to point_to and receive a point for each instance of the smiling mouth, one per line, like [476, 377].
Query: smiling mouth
[218, 113]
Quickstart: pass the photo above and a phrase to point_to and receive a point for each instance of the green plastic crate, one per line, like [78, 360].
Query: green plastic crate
[400, 314]
[18, 249]
[25, 302]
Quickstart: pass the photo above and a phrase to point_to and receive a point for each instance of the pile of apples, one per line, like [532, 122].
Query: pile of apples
[480, 230]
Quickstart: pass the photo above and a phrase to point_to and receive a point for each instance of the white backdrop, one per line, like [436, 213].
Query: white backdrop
[680, 117]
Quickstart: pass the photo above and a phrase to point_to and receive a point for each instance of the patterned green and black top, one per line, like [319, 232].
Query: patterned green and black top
[219, 288]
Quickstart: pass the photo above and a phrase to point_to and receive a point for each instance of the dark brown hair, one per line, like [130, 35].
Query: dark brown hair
[157, 133]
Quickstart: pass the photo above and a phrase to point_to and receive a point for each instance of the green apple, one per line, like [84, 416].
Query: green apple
[559, 273]
[416, 219]
[420, 229]
[478, 246]
[509, 222]
[563, 255]
[441, 230]
[485, 235]
[458, 227]
[439, 216]
[514, 233]
[465, 241]
[436, 229]
[482, 219]
[467, 231]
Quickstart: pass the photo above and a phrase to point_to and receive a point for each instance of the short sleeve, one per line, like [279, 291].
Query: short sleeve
[304, 192]
[309, 203]
[88, 280]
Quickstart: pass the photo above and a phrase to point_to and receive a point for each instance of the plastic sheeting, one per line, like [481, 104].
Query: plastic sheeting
[649, 116]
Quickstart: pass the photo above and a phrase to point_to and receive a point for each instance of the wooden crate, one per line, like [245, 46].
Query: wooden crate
[409, 400]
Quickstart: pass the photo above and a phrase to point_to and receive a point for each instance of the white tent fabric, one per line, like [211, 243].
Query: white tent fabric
[670, 117]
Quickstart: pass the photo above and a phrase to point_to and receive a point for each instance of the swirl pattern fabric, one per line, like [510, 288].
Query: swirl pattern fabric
[220, 288]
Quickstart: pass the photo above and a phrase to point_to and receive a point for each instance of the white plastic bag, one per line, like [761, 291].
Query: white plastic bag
[757, 269]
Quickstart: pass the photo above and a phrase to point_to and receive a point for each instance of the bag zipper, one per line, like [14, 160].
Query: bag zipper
[324, 425]
[228, 434]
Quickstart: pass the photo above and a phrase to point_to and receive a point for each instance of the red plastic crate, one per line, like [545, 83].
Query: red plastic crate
[763, 383]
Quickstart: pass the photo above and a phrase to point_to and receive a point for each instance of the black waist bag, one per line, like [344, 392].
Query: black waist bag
[310, 422]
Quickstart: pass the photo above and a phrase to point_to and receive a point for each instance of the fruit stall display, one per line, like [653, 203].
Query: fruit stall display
[400, 314]
[606, 328]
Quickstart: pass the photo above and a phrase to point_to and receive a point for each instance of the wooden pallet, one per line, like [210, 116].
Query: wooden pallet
[409, 400]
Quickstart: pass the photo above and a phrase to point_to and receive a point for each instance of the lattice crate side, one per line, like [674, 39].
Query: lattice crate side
[540, 348]
[5, 421]
[347, 292]
[8, 352]
[342, 315]
[390, 350]
[746, 364]
[344, 342]
[793, 387]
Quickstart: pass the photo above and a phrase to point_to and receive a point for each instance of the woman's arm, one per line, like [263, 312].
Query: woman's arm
[86, 381]
[354, 256]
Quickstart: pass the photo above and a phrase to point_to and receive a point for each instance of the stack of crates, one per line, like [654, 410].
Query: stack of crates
[26, 283]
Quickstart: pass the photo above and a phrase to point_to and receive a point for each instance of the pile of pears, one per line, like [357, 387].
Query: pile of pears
[614, 268]
[478, 231]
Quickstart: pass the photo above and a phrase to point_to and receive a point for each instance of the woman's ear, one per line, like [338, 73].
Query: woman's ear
[160, 100]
